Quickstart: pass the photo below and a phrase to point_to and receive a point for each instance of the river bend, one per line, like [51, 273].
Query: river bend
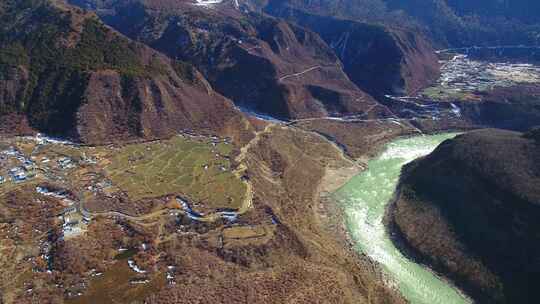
[365, 198]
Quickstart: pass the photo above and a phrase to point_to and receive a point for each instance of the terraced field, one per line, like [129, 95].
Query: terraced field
[197, 169]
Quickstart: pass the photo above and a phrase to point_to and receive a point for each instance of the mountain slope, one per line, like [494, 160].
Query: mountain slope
[262, 63]
[449, 23]
[379, 59]
[64, 73]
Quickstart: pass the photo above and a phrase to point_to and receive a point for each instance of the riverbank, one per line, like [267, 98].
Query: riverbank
[331, 218]
[401, 243]
[332, 213]
[362, 228]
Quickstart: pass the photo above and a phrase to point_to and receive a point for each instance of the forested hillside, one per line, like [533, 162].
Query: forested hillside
[450, 23]
[474, 22]
[63, 72]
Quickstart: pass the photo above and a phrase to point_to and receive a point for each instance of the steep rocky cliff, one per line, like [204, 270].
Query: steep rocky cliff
[64, 73]
[470, 210]
[260, 62]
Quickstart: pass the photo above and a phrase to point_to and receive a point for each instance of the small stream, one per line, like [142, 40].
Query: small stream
[364, 199]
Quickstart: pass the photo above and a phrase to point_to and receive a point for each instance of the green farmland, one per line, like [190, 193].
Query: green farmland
[193, 168]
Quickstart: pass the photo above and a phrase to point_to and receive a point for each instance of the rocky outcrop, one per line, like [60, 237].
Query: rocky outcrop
[260, 62]
[470, 210]
[95, 85]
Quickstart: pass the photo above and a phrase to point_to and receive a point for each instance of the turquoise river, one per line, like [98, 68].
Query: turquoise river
[364, 199]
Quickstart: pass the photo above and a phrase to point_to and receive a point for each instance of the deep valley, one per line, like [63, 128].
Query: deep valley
[247, 151]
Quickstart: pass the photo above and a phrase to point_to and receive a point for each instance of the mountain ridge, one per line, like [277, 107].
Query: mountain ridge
[230, 47]
[63, 91]
[279, 50]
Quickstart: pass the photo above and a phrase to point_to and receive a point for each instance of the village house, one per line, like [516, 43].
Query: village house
[73, 222]
[65, 163]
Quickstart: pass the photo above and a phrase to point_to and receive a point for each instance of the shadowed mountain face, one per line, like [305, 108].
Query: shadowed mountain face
[64, 73]
[380, 60]
[470, 210]
[262, 63]
[475, 22]
[449, 23]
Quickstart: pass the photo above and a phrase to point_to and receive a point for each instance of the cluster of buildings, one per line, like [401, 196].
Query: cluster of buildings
[23, 170]
[20, 174]
[73, 221]
[466, 75]
[60, 194]
[17, 167]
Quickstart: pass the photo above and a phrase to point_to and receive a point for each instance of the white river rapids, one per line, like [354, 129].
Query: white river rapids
[365, 198]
